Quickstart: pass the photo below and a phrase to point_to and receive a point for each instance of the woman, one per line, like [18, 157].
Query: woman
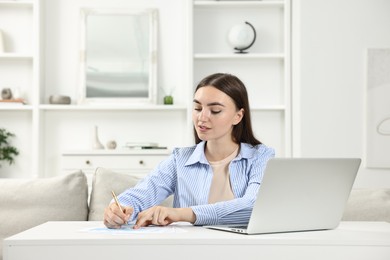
[214, 182]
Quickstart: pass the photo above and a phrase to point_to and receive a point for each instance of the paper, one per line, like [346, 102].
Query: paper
[128, 229]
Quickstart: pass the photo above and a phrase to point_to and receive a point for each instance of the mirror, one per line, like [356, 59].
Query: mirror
[118, 61]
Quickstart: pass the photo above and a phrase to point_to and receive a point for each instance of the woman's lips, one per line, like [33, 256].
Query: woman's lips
[203, 128]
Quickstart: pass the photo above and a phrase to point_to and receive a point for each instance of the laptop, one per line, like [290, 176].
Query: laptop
[300, 194]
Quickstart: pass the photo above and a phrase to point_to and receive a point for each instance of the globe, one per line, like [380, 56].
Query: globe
[241, 36]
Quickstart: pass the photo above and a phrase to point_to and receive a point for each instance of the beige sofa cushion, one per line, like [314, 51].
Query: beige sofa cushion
[28, 203]
[368, 205]
[105, 181]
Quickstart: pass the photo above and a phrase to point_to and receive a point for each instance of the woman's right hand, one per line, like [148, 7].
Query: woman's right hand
[162, 216]
[114, 217]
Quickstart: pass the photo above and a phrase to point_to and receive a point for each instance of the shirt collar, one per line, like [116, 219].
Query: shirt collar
[198, 155]
[247, 151]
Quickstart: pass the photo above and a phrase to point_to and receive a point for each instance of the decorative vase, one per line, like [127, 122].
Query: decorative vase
[96, 142]
[6, 93]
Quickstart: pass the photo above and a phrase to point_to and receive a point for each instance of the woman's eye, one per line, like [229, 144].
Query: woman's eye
[215, 111]
[197, 109]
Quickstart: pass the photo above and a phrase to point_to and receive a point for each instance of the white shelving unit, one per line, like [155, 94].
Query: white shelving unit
[265, 70]
[19, 70]
[67, 129]
[192, 44]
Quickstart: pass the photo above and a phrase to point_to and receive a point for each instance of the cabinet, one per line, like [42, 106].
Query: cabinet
[265, 69]
[135, 162]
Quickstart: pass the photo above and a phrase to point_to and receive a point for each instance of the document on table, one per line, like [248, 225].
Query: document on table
[128, 229]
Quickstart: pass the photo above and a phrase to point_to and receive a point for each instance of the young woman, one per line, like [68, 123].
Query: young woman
[214, 182]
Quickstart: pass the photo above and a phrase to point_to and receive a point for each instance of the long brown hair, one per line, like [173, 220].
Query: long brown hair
[235, 89]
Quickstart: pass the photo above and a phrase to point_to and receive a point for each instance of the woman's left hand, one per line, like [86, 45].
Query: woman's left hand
[162, 216]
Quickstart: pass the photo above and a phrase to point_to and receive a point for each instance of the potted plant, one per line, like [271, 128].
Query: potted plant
[7, 151]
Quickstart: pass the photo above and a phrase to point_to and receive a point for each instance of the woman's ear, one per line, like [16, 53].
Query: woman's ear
[239, 116]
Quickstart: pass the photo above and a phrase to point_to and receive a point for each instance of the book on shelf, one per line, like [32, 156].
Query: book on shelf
[144, 145]
[16, 101]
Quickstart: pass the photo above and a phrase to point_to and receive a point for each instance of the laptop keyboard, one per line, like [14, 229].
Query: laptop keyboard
[239, 227]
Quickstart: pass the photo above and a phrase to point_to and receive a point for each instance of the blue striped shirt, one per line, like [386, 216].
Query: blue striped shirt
[187, 175]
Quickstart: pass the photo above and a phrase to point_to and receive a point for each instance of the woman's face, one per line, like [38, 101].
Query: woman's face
[214, 114]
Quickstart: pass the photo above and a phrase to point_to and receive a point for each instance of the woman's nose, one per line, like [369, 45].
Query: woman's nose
[204, 115]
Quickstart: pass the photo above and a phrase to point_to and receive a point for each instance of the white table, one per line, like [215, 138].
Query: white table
[66, 240]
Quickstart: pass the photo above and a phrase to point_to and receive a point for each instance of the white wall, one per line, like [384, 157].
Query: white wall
[329, 46]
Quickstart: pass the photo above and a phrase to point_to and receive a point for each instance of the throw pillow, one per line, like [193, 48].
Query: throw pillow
[105, 181]
[368, 205]
[28, 203]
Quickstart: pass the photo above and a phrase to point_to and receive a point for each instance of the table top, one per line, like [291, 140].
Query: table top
[93, 232]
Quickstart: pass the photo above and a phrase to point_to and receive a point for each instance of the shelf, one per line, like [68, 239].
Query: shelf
[240, 3]
[239, 56]
[120, 151]
[13, 55]
[111, 107]
[16, 107]
[22, 4]
[269, 108]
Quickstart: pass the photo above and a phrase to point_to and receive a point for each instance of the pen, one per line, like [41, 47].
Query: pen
[116, 200]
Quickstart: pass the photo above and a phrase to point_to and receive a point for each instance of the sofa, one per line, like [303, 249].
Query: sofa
[27, 203]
